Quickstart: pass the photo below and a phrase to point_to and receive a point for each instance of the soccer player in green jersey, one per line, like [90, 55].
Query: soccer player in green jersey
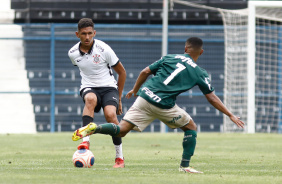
[173, 74]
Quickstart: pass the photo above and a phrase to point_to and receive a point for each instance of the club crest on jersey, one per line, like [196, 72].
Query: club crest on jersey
[96, 58]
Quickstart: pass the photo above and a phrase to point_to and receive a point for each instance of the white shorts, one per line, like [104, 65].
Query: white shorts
[142, 113]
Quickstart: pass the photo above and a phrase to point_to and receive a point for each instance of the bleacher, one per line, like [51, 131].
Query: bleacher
[137, 45]
[118, 11]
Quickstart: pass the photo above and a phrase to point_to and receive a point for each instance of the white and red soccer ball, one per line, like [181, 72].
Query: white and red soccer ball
[83, 158]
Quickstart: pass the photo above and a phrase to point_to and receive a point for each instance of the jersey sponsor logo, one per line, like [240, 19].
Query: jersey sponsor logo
[96, 58]
[174, 119]
[187, 60]
[100, 48]
[151, 94]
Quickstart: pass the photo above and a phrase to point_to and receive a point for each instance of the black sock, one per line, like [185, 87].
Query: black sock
[86, 120]
[116, 140]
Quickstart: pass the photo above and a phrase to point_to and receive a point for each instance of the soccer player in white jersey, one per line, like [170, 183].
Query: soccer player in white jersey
[99, 89]
[173, 75]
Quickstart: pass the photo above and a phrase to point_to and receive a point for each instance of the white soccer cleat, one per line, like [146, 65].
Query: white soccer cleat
[189, 170]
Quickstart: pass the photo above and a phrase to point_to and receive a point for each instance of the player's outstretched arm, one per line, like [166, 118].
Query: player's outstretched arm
[144, 74]
[217, 103]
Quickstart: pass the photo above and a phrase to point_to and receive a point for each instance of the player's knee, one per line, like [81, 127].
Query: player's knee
[190, 126]
[193, 125]
[90, 98]
[111, 117]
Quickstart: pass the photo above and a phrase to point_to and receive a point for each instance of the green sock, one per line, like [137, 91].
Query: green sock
[189, 145]
[108, 128]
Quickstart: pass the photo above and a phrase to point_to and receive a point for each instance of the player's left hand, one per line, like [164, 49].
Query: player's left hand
[119, 112]
[130, 93]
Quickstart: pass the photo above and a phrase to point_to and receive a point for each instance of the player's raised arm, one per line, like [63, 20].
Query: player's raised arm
[144, 74]
[217, 103]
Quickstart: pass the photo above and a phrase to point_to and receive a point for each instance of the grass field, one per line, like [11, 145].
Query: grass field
[150, 158]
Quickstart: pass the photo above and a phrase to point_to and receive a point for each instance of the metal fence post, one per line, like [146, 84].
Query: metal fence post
[52, 81]
[280, 81]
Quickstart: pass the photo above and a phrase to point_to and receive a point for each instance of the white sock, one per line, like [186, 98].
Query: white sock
[87, 138]
[119, 151]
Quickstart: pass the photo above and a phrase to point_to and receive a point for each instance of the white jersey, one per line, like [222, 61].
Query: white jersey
[95, 66]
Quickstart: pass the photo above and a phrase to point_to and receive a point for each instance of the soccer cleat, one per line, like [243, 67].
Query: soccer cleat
[84, 131]
[84, 145]
[189, 170]
[119, 163]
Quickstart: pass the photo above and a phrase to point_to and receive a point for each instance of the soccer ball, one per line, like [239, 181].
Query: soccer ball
[83, 158]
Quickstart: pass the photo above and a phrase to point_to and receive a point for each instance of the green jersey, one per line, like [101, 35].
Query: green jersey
[173, 74]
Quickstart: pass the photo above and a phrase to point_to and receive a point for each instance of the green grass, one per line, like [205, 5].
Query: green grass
[150, 158]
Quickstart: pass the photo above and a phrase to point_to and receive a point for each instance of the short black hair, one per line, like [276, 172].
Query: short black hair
[85, 22]
[195, 42]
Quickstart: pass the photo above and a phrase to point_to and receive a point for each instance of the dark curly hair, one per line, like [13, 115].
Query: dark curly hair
[195, 42]
[85, 22]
